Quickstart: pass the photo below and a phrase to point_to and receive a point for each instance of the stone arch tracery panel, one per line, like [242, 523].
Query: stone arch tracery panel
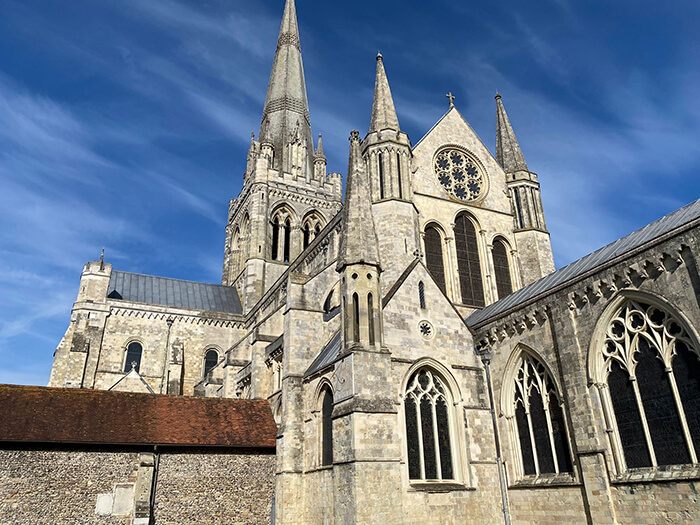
[502, 267]
[312, 224]
[533, 406]
[282, 223]
[434, 255]
[644, 359]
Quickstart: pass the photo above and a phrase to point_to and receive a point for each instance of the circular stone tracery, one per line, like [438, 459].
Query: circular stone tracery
[459, 174]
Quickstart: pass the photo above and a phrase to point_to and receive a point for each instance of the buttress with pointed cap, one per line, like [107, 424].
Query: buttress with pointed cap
[508, 153]
[286, 102]
[383, 110]
[358, 240]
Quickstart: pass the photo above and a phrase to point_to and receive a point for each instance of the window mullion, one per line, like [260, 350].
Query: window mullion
[550, 432]
[647, 434]
[681, 414]
[532, 440]
[436, 439]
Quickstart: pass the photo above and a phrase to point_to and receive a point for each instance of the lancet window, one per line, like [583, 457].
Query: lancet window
[134, 351]
[537, 420]
[427, 407]
[311, 228]
[501, 268]
[650, 364]
[326, 426]
[468, 263]
[281, 236]
[211, 359]
[433, 256]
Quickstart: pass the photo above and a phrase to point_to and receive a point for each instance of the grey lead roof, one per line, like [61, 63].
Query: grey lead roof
[589, 262]
[327, 355]
[164, 291]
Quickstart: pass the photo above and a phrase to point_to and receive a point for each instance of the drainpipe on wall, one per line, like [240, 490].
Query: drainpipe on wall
[484, 352]
[165, 357]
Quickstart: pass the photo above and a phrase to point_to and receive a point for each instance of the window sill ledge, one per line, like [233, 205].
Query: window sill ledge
[545, 481]
[437, 486]
[658, 474]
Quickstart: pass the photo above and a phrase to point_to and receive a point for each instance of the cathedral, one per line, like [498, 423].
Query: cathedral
[416, 353]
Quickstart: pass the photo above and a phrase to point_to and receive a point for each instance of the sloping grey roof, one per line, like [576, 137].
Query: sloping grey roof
[590, 262]
[328, 354]
[173, 292]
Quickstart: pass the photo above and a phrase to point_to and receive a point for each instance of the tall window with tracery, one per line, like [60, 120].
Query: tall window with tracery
[281, 241]
[501, 269]
[468, 263]
[427, 409]
[326, 426]
[433, 256]
[651, 367]
[537, 420]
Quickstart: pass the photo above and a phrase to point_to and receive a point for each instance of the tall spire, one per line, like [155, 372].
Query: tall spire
[508, 153]
[358, 241]
[286, 110]
[383, 111]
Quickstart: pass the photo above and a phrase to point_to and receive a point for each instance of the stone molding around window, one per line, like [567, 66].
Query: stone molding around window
[644, 361]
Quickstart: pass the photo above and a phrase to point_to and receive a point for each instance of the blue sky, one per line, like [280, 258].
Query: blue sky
[125, 124]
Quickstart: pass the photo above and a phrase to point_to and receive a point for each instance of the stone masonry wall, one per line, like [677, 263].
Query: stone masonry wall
[58, 486]
[210, 487]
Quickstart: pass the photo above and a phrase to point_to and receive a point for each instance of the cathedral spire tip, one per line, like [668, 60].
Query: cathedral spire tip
[508, 152]
[383, 110]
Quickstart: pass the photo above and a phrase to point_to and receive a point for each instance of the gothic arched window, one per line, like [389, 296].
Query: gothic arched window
[210, 361]
[311, 228]
[326, 426]
[281, 235]
[287, 238]
[275, 238]
[433, 256]
[651, 366]
[537, 419]
[468, 262]
[134, 351]
[427, 405]
[501, 269]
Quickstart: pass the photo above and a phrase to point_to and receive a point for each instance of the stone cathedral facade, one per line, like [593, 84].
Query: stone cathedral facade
[422, 358]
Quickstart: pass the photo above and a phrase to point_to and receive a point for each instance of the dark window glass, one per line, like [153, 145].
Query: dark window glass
[317, 228]
[518, 207]
[686, 369]
[327, 427]
[629, 423]
[426, 419]
[287, 234]
[370, 318]
[433, 257]
[355, 319]
[210, 360]
[524, 438]
[561, 444]
[133, 357]
[275, 237]
[541, 433]
[398, 171]
[660, 407]
[468, 263]
[381, 175]
[421, 295]
[412, 438]
[444, 438]
[307, 236]
[501, 269]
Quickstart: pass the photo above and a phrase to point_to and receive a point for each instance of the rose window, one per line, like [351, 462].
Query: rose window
[460, 175]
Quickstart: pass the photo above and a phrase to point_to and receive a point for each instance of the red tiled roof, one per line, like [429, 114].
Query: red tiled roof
[67, 415]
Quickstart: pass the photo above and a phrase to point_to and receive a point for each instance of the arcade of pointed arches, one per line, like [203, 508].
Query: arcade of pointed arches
[459, 267]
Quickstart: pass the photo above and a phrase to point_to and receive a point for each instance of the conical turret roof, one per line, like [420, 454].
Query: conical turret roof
[358, 240]
[508, 153]
[286, 105]
[383, 110]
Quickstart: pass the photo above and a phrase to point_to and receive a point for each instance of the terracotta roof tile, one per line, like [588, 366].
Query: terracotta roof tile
[65, 415]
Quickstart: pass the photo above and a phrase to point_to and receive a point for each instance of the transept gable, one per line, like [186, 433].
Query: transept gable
[452, 130]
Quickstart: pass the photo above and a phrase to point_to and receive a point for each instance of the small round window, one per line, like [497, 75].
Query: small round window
[460, 174]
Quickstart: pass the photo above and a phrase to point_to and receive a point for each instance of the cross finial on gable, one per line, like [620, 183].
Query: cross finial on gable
[451, 97]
